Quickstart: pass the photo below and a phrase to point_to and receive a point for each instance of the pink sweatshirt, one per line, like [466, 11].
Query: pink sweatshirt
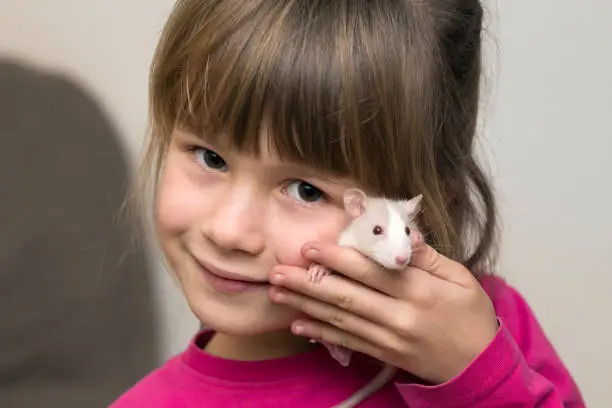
[518, 369]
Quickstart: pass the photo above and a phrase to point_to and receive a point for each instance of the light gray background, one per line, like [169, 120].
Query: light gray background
[548, 107]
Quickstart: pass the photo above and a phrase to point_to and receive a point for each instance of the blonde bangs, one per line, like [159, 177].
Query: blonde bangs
[231, 68]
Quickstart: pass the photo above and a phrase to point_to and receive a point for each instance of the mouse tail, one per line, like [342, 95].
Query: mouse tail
[384, 376]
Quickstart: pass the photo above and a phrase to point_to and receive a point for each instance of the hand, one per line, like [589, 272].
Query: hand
[431, 319]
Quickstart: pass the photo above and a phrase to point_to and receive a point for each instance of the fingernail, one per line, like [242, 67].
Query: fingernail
[310, 251]
[279, 296]
[298, 329]
[277, 278]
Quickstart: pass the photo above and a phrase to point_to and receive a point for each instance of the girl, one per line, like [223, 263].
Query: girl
[263, 113]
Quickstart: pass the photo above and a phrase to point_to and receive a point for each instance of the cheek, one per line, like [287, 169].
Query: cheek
[289, 232]
[179, 202]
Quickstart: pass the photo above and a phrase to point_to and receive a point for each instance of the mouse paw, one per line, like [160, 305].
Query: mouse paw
[340, 354]
[317, 272]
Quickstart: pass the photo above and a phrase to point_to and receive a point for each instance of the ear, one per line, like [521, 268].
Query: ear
[355, 202]
[413, 205]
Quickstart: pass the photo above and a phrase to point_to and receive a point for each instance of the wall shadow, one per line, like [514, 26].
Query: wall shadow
[78, 324]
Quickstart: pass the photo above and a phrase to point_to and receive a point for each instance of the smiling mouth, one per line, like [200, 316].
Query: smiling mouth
[228, 282]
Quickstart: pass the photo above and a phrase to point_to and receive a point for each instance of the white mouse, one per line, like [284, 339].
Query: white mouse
[385, 231]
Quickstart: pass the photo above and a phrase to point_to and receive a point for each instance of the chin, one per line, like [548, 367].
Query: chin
[248, 316]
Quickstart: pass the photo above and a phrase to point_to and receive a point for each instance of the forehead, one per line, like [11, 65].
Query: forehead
[396, 217]
[377, 210]
[389, 210]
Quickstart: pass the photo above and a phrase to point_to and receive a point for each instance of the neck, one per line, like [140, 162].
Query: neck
[260, 347]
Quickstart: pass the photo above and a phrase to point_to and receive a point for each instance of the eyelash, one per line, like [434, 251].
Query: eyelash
[324, 197]
[193, 149]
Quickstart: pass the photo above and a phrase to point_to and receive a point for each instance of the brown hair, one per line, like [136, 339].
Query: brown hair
[385, 91]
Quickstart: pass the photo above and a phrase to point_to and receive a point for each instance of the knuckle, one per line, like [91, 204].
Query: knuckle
[367, 272]
[336, 318]
[405, 324]
[420, 291]
[344, 302]
[422, 294]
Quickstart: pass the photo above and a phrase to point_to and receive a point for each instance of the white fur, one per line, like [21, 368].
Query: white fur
[396, 242]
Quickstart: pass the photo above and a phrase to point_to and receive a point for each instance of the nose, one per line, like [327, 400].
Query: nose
[236, 223]
[400, 260]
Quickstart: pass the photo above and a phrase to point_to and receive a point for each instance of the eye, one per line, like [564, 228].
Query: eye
[407, 231]
[210, 159]
[377, 230]
[302, 191]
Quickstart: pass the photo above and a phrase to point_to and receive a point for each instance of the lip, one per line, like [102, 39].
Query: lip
[228, 282]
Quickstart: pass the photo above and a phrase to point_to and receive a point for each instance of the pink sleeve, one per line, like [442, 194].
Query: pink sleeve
[520, 368]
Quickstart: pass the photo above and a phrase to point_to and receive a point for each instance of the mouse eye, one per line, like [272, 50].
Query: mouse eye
[377, 230]
[407, 231]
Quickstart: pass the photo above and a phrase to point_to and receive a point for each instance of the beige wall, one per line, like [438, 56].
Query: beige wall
[548, 137]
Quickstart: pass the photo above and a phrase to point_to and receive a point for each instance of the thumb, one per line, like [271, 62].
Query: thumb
[426, 258]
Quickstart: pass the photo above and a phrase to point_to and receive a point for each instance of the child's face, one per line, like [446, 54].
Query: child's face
[240, 215]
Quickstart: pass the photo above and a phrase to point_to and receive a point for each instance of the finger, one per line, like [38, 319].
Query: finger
[337, 317]
[426, 258]
[353, 265]
[421, 289]
[326, 333]
[349, 296]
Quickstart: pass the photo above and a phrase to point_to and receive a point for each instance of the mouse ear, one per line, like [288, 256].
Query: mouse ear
[354, 202]
[413, 205]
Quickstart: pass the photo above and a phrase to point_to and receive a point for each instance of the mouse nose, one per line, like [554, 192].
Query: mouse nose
[400, 260]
